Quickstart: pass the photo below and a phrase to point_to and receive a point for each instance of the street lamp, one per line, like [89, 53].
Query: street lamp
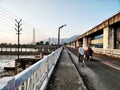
[59, 34]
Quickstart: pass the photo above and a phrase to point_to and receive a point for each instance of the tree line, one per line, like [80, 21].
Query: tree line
[43, 43]
[24, 45]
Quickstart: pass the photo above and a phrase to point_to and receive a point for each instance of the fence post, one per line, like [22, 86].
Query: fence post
[15, 71]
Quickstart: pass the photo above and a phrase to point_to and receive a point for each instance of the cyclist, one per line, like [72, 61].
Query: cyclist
[89, 53]
[81, 55]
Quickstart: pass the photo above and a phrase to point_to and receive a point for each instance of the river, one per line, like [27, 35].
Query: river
[9, 60]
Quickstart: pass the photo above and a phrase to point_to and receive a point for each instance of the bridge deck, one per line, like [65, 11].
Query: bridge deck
[97, 74]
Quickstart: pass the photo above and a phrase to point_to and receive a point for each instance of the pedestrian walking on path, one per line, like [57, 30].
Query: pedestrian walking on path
[81, 55]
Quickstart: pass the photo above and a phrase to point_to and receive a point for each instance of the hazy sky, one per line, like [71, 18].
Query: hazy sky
[46, 16]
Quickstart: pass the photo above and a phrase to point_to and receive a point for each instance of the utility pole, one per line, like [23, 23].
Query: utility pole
[18, 29]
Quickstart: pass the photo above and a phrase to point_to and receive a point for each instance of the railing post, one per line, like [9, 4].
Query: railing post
[41, 55]
[15, 72]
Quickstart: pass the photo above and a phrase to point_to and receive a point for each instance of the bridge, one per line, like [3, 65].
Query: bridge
[26, 49]
[102, 73]
[106, 35]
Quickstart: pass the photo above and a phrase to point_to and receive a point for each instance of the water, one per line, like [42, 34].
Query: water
[9, 60]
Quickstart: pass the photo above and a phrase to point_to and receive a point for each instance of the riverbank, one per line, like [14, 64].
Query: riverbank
[7, 66]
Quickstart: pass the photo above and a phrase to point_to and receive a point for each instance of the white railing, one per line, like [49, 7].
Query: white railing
[110, 52]
[33, 78]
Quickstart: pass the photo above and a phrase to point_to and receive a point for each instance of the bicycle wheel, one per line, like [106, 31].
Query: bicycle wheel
[83, 62]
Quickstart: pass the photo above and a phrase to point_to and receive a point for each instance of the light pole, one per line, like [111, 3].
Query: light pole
[59, 34]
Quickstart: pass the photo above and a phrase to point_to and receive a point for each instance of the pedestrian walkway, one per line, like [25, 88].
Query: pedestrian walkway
[66, 76]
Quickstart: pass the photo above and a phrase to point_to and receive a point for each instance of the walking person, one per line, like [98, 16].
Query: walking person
[81, 55]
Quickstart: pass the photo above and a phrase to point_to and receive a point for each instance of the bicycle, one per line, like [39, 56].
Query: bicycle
[81, 60]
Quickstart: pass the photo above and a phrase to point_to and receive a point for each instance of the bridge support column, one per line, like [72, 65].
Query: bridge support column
[89, 41]
[74, 44]
[105, 37]
[111, 38]
[85, 42]
[77, 43]
[117, 36]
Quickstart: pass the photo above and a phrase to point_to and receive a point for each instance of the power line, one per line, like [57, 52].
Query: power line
[7, 23]
[3, 13]
[9, 14]
[7, 18]
[3, 31]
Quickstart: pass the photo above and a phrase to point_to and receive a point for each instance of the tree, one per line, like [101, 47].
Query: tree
[37, 43]
[47, 43]
[41, 42]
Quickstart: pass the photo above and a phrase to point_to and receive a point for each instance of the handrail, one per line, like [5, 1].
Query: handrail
[34, 77]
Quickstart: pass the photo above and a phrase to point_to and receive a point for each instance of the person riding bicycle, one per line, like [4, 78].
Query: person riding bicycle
[80, 54]
[89, 53]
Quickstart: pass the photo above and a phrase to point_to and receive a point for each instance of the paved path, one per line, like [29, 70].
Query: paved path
[101, 73]
[65, 75]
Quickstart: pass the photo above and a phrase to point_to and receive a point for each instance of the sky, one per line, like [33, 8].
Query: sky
[46, 16]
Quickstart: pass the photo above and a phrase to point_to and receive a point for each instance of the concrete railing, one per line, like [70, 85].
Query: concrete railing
[33, 78]
[110, 52]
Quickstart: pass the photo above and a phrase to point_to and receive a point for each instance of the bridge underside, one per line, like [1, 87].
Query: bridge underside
[108, 37]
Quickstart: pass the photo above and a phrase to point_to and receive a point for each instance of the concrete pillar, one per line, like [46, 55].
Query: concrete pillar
[111, 39]
[74, 44]
[89, 41]
[105, 37]
[85, 42]
[70, 45]
[117, 37]
[77, 43]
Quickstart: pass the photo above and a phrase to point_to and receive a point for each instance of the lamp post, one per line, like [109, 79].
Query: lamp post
[59, 34]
